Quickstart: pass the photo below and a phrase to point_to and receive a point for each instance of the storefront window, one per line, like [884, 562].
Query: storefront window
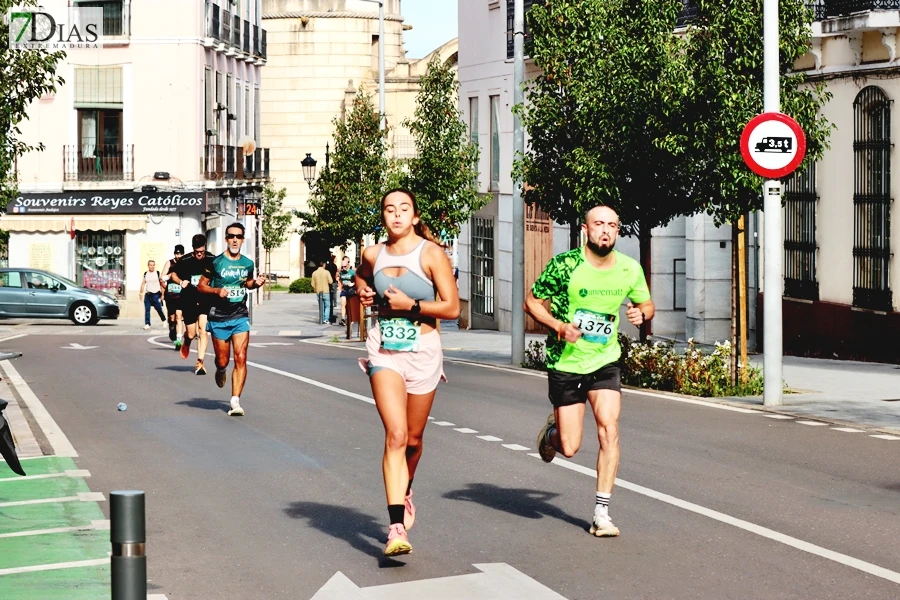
[100, 261]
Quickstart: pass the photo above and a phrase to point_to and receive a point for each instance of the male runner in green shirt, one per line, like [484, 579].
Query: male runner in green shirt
[585, 288]
[228, 277]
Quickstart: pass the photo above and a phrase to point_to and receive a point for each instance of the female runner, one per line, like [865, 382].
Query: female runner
[405, 360]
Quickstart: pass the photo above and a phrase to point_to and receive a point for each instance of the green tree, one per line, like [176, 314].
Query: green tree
[725, 51]
[344, 205]
[275, 223]
[444, 173]
[606, 114]
[25, 76]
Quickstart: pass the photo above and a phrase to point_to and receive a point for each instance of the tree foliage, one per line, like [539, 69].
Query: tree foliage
[606, 115]
[25, 76]
[444, 173]
[725, 52]
[344, 205]
[275, 221]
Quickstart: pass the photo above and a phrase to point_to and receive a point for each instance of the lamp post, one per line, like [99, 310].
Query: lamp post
[381, 114]
[309, 166]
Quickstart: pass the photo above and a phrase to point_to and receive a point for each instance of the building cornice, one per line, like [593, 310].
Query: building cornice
[298, 14]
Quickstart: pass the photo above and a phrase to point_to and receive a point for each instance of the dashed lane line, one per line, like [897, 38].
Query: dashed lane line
[885, 437]
[847, 429]
[74, 473]
[80, 497]
[94, 526]
[812, 423]
[13, 337]
[54, 566]
[672, 500]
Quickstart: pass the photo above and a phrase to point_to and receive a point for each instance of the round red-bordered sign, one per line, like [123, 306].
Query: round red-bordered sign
[773, 145]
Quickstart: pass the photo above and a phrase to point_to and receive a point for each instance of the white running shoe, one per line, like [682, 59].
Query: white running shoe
[236, 410]
[603, 526]
[146, 327]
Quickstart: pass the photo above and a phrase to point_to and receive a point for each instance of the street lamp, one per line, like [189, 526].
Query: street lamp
[309, 165]
[381, 114]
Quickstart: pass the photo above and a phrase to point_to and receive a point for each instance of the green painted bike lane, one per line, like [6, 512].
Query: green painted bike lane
[54, 539]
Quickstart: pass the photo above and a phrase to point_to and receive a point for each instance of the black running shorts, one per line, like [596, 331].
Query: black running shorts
[191, 311]
[570, 388]
[173, 304]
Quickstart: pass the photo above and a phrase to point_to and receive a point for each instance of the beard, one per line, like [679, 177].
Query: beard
[601, 251]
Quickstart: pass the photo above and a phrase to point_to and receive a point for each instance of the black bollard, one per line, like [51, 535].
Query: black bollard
[128, 537]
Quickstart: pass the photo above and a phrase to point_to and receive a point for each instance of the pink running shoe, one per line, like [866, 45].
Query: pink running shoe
[409, 513]
[398, 541]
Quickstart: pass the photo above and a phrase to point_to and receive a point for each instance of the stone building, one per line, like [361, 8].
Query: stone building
[319, 53]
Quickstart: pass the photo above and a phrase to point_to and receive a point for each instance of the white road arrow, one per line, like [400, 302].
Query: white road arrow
[74, 346]
[264, 344]
[496, 580]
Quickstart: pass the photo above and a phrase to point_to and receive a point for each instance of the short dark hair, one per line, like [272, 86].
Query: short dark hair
[198, 241]
[322, 262]
[235, 224]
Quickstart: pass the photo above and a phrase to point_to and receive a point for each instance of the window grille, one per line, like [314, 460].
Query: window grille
[801, 201]
[483, 266]
[100, 261]
[872, 200]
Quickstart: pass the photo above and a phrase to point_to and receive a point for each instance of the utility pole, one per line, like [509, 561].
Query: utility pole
[773, 236]
[518, 208]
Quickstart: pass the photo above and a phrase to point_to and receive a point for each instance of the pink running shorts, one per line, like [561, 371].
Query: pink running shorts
[421, 371]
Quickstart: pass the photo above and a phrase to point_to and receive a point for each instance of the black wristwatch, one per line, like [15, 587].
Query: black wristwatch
[416, 308]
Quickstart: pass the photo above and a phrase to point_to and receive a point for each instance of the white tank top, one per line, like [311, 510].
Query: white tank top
[151, 280]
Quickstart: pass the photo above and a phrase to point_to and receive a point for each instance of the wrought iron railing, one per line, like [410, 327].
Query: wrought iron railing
[837, 8]
[687, 14]
[215, 161]
[510, 19]
[230, 152]
[106, 162]
[800, 205]
[872, 200]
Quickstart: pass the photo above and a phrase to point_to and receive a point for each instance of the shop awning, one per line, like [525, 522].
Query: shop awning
[43, 224]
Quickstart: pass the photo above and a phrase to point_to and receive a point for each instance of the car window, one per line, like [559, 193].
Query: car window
[40, 281]
[11, 279]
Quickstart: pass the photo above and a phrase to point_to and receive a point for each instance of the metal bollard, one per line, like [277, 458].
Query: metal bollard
[128, 537]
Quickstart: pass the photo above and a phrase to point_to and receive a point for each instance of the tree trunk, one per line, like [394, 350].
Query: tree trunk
[742, 297]
[645, 241]
[574, 235]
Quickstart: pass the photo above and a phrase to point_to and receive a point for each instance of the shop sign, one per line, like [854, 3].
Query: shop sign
[106, 202]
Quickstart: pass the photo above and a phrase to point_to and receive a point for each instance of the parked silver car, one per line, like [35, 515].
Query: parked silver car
[36, 294]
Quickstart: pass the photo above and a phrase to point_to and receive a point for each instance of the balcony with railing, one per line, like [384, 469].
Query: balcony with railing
[230, 163]
[106, 162]
[822, 9]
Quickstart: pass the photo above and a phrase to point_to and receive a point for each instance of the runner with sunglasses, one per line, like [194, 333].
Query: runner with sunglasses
[228, 278]
[195, 306]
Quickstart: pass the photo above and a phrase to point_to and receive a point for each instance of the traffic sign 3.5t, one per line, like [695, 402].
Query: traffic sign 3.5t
[773, 145]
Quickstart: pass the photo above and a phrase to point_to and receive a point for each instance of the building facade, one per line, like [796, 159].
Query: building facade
[153, 137]
[838, 252]
[320, 53]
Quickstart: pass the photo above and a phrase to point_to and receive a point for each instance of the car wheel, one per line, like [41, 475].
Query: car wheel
[84, 314]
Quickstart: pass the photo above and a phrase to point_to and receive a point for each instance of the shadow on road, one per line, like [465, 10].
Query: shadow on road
[179, 368]
[206, 404]
[530, 504]
[356, 528]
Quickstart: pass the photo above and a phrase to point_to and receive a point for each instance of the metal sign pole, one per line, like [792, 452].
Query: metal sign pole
[518, 207]
[773, 240]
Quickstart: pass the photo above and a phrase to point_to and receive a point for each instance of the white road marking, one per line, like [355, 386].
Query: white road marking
[489, 438]
[52, 567]
[74, 346]
[80, 473]
[515, 447]
[58, 440]
[40, 501]
[157, 597]
[94, 526]
[812, 423]
[445, 423]
[847, 429]
[885, 437]
[696, 508]
[13, 337]
[740, 524]
[784, 417]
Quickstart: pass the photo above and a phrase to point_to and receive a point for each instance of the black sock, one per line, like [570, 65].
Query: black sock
[395, 511]
[409, 487]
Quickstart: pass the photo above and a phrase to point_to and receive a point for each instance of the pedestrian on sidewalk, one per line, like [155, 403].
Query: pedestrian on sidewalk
[405, 361]
[321, 283]
[151, 292]
[585, 288]
[332, 269]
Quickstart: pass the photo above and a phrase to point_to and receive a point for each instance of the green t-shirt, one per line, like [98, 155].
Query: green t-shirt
[580, 293]
[231, 275]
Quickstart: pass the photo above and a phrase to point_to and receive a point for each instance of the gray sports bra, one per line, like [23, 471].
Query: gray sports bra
[414, 282]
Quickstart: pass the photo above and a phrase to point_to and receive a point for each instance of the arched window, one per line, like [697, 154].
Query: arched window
[872, 200]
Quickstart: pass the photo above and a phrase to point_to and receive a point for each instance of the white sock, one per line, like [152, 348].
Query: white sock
[602, 505]
[235, 401]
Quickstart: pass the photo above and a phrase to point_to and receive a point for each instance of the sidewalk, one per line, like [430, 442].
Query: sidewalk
[856, 393]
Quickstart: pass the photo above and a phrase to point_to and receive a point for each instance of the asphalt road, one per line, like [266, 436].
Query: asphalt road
[714, 503]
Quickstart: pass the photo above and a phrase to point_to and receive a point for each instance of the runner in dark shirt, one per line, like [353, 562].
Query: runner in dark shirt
[195, 305]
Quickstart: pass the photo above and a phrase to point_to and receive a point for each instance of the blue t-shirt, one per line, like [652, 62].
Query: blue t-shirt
[223, 272]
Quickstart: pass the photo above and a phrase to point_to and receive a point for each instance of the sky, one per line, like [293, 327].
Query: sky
[434, 23]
